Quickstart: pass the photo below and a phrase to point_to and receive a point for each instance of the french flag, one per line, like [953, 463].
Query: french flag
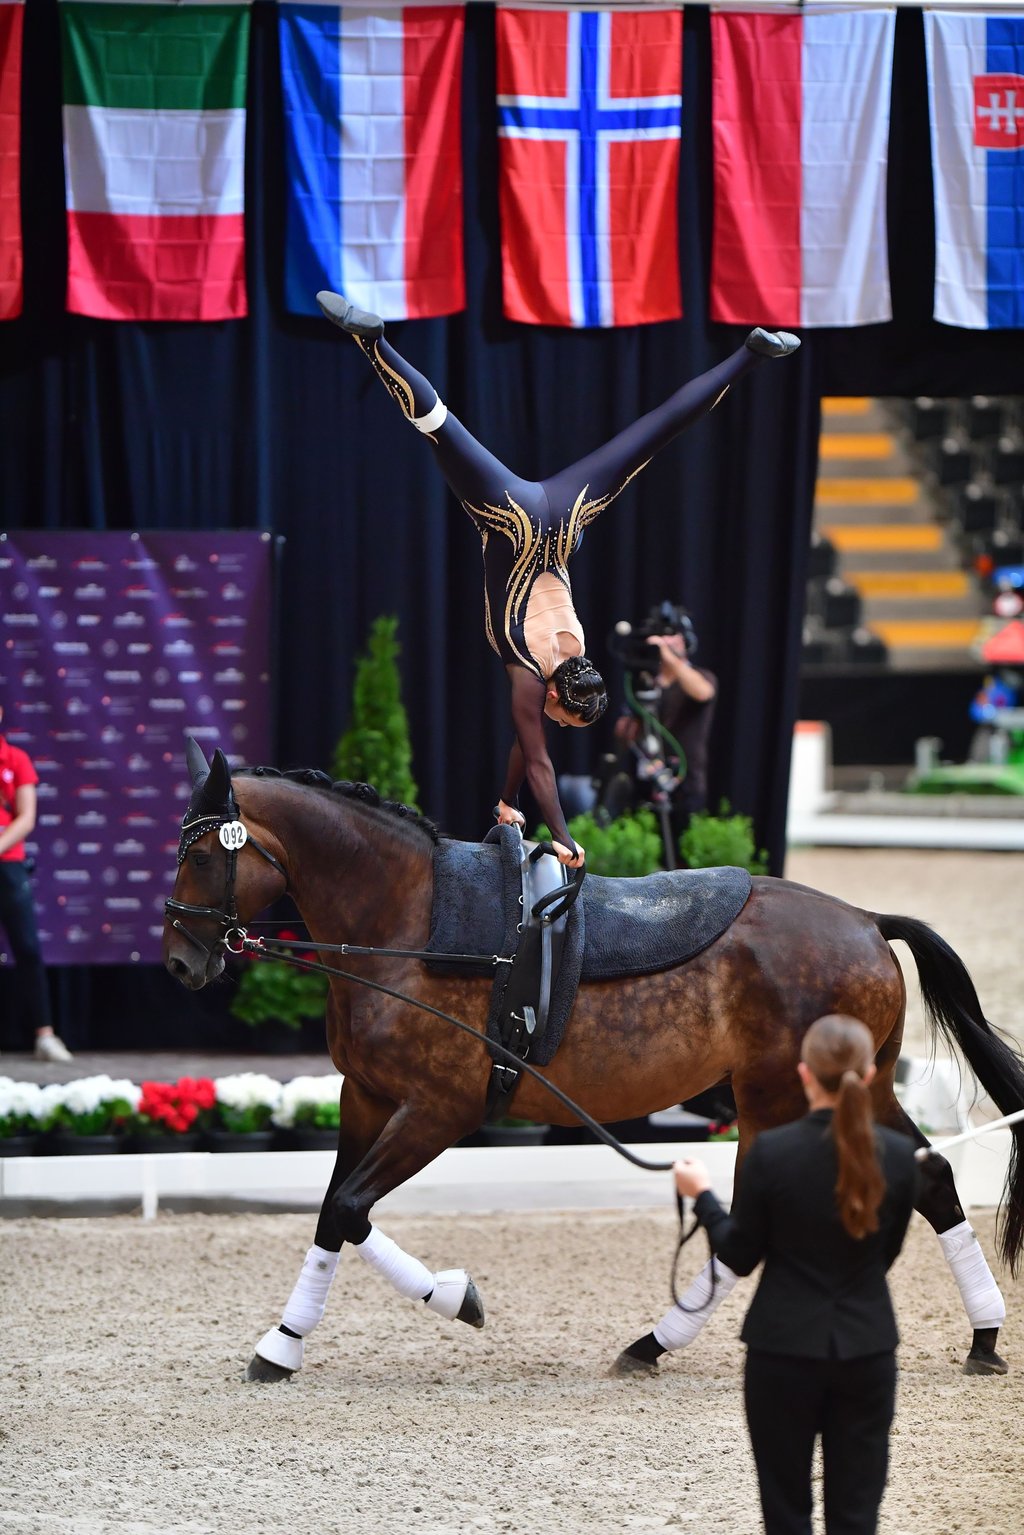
[976, 96]
[800, 125]
[373, 153]
[589, 112]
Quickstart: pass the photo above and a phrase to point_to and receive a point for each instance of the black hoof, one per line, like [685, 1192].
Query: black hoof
[263, 1371]
[772, 343]
[348, 318]
[629, 1364]
[985, 1364]
[472, 1308]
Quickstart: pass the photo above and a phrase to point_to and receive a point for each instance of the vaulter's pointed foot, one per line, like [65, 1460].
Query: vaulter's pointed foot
[984, 1363]
[772, 343]
[370, 327]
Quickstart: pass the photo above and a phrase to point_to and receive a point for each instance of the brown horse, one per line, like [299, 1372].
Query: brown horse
[360, 871]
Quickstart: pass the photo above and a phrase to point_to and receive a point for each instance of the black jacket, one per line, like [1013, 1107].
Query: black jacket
[823, 1294]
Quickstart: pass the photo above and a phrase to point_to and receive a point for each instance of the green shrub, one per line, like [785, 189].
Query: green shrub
[712, 841]
[630, 844]
[375, 748]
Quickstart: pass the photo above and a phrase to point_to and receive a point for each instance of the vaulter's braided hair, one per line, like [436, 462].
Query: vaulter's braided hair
[580, 688]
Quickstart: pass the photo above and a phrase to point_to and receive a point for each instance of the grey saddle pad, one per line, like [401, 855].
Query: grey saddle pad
[618, 927]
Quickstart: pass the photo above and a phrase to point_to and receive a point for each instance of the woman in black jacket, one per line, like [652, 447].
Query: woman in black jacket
[825, 1203]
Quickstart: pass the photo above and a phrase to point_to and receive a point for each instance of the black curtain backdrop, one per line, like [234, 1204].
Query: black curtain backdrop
[277, 422]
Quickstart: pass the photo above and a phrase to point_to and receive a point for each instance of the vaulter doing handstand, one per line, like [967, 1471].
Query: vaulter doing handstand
[530, 530]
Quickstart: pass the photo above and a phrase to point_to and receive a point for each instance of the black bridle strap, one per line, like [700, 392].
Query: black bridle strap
[428, 955]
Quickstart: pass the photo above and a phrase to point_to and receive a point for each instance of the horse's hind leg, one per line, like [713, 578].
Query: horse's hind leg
[279, 1352]
[938, 1201]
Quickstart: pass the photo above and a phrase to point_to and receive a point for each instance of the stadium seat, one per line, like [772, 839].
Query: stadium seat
[841, 606]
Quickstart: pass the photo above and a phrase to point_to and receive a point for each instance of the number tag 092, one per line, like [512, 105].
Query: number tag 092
[233, 835]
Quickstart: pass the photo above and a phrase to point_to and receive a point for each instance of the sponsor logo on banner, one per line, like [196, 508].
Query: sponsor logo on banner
[103, 642]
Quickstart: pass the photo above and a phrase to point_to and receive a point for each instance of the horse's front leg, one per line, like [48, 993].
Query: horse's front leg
[378, 1151]
[279, 1352]
[412, 1138]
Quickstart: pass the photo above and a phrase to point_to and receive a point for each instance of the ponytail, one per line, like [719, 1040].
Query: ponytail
[860, 1186]
[839, 1050]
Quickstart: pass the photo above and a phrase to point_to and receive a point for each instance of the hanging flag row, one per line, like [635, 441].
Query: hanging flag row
[590, 118]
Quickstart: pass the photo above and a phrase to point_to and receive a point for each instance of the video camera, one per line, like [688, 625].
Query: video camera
[628, 643]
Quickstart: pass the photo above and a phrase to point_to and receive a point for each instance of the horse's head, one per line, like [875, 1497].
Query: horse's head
[225, 876]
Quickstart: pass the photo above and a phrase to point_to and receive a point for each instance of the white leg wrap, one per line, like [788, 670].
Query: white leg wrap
[979, 1292]
[409, 1276]
[307, 1301]
[677, 1328]
[276, 1347]
[435, 417]
[450, 1286]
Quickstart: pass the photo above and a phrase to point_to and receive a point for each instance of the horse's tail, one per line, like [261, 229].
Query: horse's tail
[952, 1005]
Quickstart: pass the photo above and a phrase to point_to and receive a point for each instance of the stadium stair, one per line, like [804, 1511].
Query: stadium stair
[898, 573]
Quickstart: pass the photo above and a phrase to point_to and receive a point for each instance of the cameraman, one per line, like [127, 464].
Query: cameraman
[681, 699]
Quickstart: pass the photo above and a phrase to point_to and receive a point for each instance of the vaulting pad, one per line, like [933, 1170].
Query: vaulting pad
[618, 927]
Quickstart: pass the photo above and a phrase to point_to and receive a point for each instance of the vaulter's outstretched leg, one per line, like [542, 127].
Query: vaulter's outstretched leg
[472, 471]
[607, 471]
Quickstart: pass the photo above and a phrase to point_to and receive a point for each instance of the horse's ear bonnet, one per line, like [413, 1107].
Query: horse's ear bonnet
[212, 797]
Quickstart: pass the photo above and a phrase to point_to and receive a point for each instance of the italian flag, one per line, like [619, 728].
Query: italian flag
[12, 16]
[154, 157]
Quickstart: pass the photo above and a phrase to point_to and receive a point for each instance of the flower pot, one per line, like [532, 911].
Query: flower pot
[18, 1145]
[58, 1143]
[158, 1142]
[231, 1140]
[304, 1138]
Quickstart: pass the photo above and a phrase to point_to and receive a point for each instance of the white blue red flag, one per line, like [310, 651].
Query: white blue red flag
[976, 96]
[589, 113]
[800, 124]
[373, 156]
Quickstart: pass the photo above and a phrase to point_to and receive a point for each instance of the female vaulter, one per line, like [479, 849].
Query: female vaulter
[530, 530]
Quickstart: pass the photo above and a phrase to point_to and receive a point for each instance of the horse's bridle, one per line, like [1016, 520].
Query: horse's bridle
[227, 912]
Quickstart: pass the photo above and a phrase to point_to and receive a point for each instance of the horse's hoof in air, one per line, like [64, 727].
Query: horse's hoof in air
[472, 1308]
[266, 1373]
[628, 1364]
[985, 1364]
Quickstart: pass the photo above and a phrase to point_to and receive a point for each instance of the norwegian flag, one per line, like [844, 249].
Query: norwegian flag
[589, 113]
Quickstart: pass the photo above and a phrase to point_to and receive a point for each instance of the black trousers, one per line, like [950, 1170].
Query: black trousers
[18, 920]
[850, 1404]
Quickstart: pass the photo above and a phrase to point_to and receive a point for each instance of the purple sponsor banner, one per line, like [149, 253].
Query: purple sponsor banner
[113, 648]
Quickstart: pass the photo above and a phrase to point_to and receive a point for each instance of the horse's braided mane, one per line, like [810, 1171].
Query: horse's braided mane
[313, 778]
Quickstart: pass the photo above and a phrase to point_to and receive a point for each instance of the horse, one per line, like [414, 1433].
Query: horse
[360, 870]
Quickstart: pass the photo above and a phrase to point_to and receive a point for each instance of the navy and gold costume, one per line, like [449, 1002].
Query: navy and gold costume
[531, 528]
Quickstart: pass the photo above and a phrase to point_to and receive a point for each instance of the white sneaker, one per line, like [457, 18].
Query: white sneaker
[49, 1047]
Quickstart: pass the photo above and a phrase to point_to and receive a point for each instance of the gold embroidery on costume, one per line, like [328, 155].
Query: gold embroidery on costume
[397, 387]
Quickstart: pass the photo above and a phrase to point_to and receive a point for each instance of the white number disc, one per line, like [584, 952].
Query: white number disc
[233, 835]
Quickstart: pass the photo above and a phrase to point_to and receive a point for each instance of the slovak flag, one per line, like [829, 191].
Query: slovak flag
[976, 96]
[589, 114]
[373, 153]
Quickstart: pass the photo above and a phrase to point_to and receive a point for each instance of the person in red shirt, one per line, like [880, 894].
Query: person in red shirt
[18, 779]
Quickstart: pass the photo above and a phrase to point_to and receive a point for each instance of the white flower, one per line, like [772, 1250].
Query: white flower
[301, 1091]
[246, 1090]
[87, 1094]
[19, 1100]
